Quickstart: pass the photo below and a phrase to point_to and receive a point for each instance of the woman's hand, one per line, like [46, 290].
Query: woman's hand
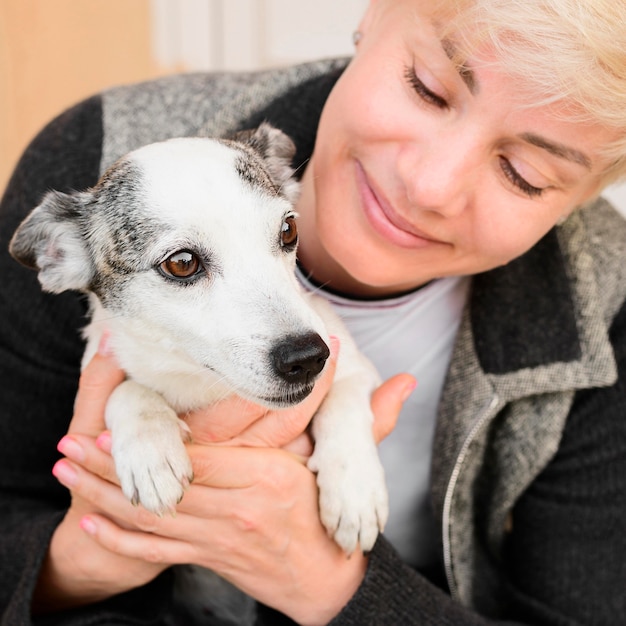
[235, 421]
[250, 514]
[78, 570]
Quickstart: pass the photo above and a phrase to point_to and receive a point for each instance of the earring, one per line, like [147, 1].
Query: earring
[357, 35]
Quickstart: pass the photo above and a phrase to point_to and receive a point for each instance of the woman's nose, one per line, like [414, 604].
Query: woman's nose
[440, 176]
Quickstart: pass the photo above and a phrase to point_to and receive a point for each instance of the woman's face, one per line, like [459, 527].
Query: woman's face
[421, 171]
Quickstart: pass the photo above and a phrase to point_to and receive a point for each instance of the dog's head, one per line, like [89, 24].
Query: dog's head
[189, 247]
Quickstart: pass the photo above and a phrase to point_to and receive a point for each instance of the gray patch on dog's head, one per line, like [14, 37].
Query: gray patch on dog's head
[121, 232]
[253, 172]
[265, 160]
[91, 240]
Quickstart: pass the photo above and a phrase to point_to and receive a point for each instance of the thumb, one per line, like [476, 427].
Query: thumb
[387, 401]
[97, 381]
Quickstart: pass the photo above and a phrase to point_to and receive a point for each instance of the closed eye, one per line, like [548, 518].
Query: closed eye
[516, 179]
[422, 91]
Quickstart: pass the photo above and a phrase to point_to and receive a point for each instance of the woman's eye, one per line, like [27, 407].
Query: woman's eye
[521, 183]
[181, 265]
[422, 91]
[289, 233]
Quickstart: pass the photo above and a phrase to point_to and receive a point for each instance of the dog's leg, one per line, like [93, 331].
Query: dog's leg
[353, 495]
[148, 447]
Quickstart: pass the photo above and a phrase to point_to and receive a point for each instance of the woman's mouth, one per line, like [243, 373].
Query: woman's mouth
[385, 220]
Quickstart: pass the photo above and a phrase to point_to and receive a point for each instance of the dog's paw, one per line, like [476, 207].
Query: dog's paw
[353, 496]
[152, 464]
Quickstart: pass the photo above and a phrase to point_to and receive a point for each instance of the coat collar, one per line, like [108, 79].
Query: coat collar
[539, 324]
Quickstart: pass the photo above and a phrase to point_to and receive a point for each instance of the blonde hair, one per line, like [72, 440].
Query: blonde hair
[570, 52]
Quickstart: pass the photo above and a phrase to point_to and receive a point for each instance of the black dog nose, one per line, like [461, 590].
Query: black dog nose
[299, 358]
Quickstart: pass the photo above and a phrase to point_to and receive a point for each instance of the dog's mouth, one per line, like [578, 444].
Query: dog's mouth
[286, 395]
[289, 397]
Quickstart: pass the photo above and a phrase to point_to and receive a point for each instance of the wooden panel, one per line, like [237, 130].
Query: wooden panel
[55, 52]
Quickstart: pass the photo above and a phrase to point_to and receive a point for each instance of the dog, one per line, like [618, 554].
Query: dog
[187, 250]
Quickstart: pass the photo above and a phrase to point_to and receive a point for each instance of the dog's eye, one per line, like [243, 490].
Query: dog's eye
[289, 233]
[182, 264]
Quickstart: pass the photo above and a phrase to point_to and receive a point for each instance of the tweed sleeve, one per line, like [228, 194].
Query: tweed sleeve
[40, 353]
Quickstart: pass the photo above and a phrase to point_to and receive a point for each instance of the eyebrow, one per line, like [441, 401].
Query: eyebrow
[469, 78]
[466, 73]
[557, 149]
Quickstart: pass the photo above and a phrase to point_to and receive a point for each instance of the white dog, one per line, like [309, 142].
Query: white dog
[187, 250]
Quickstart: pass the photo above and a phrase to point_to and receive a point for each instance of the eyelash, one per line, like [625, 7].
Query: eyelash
[522, 184]
[432, 98]
[422, 91]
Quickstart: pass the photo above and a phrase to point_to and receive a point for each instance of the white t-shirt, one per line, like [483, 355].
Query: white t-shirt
[412, 333]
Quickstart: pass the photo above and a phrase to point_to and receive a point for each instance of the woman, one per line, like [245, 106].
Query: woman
[444, 173]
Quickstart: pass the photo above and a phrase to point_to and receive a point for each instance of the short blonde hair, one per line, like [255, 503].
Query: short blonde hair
[571, 52]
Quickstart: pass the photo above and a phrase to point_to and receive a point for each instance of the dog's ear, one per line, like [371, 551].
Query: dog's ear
[50, 240]
[277, 151]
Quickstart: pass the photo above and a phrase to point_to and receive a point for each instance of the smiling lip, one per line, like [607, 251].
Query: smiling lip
[384, 219]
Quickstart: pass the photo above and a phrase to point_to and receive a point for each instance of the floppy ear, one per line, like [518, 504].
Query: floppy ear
[50, 240]
[277, 150]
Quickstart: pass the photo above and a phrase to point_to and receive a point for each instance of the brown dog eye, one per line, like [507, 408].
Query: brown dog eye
[289, 233]
[183, 264]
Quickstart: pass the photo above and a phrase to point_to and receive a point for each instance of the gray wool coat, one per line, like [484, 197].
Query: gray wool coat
[529, 458]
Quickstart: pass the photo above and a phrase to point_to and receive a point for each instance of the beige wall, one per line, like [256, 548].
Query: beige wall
[56, 52]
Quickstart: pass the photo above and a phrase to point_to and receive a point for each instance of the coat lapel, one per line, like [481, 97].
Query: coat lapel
[533, 333]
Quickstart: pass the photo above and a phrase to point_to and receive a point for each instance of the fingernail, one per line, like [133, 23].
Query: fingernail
[334, 344]
[104, 347]
[71, 449]
[408, 390]
[104, 441]
[65, 473]
[88, 525]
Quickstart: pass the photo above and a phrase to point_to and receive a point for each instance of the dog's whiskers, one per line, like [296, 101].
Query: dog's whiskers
[297, 169]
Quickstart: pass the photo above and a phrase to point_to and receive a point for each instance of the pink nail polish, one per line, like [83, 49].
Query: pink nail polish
[65, 473]
[104, 441]
[104, 347]
[88, 525]
[408, 390]
[71, 449]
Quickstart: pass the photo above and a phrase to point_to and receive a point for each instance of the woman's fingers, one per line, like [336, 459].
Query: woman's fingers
[102, 494]
[223, 420]
[387, 403]
[301, 446]
[136, 544]
[224, 467]
[92, 454]
[97, 381]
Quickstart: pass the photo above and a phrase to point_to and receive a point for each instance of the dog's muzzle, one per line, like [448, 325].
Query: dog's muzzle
[298, 359]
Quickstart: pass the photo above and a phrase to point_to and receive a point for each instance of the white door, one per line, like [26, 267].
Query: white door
[249, 34]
